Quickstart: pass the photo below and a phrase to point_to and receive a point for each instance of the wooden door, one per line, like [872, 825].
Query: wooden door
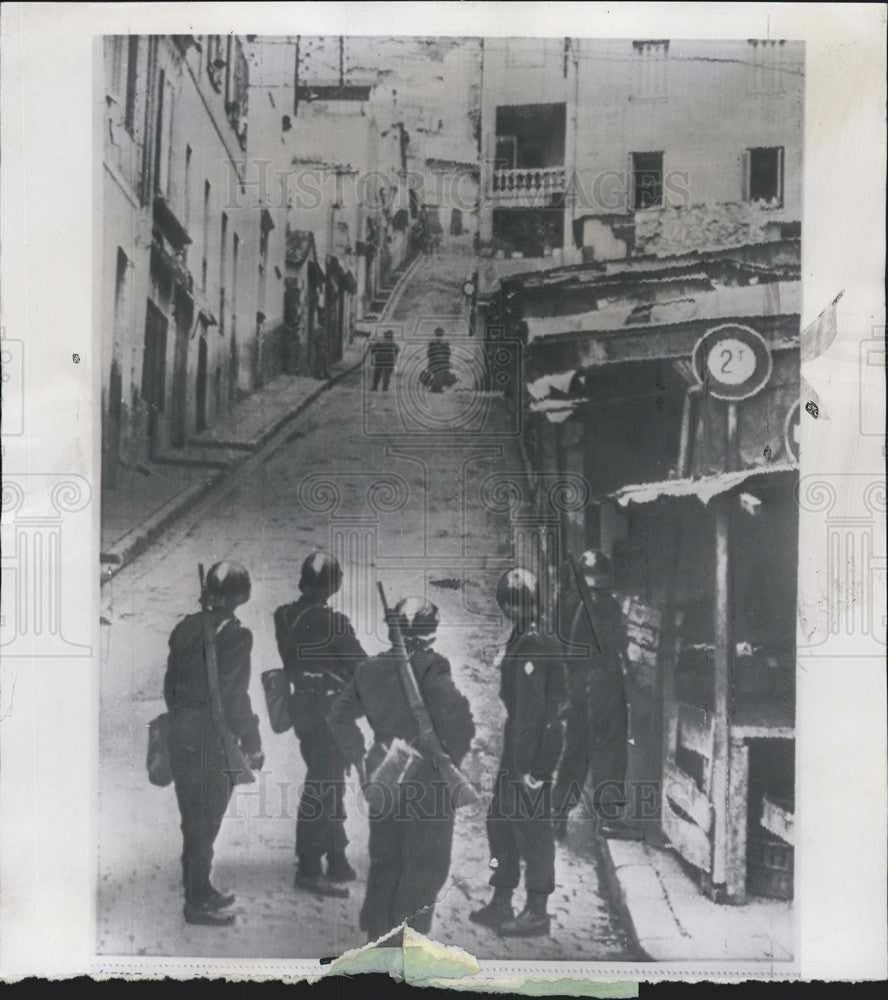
[154, 376]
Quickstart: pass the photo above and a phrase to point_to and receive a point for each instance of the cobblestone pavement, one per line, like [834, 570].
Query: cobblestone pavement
[433, 534]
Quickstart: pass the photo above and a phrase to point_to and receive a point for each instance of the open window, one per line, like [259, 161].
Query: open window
[763, 175]
[647, 180]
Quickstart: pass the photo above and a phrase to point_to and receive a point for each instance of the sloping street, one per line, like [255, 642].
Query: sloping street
[423, 524]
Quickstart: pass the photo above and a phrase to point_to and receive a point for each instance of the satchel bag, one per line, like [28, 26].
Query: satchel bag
[277, 699]
[383, 785]
[160, 770]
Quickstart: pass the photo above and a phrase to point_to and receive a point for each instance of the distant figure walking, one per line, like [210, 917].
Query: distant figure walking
[438, 375]
[383, 357]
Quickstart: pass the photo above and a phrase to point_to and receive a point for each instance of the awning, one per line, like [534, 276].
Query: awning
[778, 298]
[703, 489]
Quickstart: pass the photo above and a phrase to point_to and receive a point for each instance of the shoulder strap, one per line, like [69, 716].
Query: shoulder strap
[428, 736]
[299, 618]
[212, 665]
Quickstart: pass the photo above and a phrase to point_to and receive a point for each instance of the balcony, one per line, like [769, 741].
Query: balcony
[528, 187]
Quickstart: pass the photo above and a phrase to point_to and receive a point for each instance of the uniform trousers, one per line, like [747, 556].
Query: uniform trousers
[409, 862]
[383, 372]
[203, 790]
[320, 821]
[519, 828]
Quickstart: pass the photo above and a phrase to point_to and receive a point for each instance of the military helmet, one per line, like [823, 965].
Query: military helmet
[417, 616]
[517, 593]
[597, 569]
[321, 573]
[227, 585]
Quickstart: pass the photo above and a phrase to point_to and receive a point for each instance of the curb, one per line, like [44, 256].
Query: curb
[398, 291]
[614, 889]
[134, 543]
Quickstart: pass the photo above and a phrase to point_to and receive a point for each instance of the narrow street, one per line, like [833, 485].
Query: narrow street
[427, 528]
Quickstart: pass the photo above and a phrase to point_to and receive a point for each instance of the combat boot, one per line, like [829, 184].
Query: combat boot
[320, 885]
[497, 911]
[203, 913]
[532, 921]
[219, 900]
[339, 870]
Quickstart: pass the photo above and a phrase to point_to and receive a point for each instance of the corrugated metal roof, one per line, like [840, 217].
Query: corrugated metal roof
[779, 298]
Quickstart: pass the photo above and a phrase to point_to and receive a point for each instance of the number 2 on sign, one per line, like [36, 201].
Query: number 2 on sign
[731, 362]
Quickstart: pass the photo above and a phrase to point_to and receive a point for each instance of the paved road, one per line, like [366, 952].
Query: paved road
[429, 531]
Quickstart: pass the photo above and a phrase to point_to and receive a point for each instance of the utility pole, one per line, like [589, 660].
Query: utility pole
[341, 60]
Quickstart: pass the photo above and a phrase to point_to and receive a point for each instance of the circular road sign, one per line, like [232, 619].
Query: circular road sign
[732, 362]
[791, 432]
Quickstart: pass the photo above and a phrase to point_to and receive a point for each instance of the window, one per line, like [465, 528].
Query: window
[763, 175]
[132, 60]
[163, 135]
[115, 64]
[647, 180]
[766, 74]
[235, 251]
[237, 84]
[649, 70]
[120, 291]
[215, 60]
[506, 155]
[186, 189]
[206, 236]
[263, 261]
[223, 248]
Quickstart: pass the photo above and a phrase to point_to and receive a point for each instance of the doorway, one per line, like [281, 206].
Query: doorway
[184, 312]
[200, 394]
[154, 376]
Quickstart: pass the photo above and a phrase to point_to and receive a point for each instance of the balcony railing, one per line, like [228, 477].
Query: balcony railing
[528, 186]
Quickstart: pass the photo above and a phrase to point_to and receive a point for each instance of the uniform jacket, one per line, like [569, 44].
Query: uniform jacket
[185, 686]
[598, 677]
[533, 687]
[376, 691]
[438, 353]
[318, 647]
[384, 354]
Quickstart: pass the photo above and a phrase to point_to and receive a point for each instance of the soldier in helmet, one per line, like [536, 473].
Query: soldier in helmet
[597, 729]
[533, 687]
[320, 651]
[411, 839]
[200, 771]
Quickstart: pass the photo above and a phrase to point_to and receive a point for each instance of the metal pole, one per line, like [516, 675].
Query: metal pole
[724, 658]
[724, 641]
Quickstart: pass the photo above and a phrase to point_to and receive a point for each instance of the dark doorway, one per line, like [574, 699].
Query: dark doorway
[456, 223]
[154, 375]
[112, 426]
[184, 312]
[200, 395]
[647, 180]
